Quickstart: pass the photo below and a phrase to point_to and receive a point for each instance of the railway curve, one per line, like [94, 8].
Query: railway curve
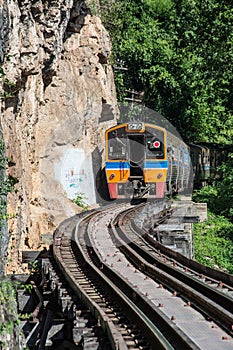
[211, 296]
[135, 306]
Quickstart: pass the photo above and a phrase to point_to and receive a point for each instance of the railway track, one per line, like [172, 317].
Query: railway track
[105, 300]
[137, 304]
[212, 297]
[206, 283]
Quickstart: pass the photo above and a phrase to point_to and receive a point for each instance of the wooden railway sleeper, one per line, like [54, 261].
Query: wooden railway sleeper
[67, 305]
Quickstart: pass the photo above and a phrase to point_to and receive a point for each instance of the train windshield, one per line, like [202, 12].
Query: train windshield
[136, 146]
[154, 143]
[117, 144]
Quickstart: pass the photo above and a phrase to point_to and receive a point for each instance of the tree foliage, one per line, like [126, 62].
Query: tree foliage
[180, 54]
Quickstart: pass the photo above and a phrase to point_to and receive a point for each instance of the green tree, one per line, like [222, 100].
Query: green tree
[180, 54]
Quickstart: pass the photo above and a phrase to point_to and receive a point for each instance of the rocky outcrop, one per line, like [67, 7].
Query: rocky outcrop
[3, 199]
[57, 99]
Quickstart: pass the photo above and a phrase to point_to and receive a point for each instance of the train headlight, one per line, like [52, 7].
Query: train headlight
[112, 176]
[159, 176]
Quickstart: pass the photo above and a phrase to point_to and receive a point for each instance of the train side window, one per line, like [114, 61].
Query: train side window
[181, 156]
[170, 150]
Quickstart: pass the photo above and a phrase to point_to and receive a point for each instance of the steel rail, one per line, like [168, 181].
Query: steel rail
[115, 337]
[209, 300]
[154, 336]
[216, 275]
[64, 259]
[164, 325]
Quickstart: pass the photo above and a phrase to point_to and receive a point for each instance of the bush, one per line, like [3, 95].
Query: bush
[213, 242]
[80, 201]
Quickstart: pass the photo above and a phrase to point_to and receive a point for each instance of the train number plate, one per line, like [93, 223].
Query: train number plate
[135, 126]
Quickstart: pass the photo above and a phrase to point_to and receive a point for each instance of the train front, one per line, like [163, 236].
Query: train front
[136, 161]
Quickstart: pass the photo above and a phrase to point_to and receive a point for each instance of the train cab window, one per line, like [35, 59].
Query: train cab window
[117, 144]
[117, 148]
[154, 147]
[154, 143]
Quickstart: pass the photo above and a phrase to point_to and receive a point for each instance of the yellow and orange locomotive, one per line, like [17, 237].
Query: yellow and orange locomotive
[145, 161]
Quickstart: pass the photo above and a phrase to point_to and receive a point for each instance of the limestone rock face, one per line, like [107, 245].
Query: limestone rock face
[57, 98]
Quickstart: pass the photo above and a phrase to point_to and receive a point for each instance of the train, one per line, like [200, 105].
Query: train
[145, 161]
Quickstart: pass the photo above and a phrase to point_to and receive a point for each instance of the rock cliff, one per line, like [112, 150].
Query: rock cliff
[57, 98]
